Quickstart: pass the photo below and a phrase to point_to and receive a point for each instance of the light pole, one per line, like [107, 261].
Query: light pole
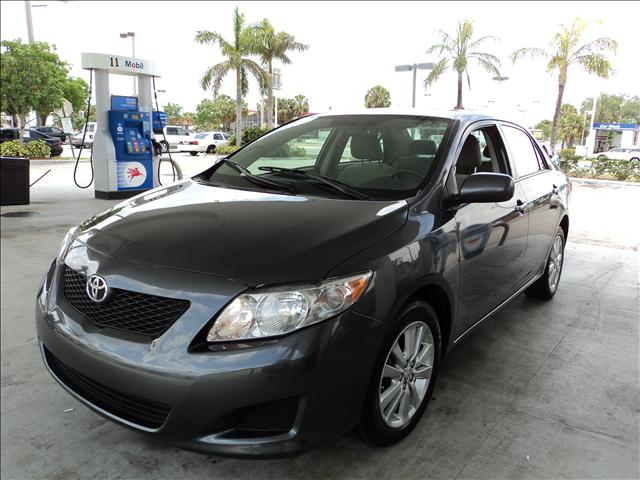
[133, 54]
[414, 68]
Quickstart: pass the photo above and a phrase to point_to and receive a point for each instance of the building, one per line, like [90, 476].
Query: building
[605, 136]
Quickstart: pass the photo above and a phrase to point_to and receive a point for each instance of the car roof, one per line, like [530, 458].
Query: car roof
[463, 115]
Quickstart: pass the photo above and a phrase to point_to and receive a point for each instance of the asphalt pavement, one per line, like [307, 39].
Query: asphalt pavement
[543, 390]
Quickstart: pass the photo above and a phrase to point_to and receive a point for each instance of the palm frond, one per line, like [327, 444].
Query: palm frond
[485, 56]
[596, 63]
[213, 76]
[477, 42]
[532, 52]
[437, 71]
[256, 71]
[488, 66]
[598, 45]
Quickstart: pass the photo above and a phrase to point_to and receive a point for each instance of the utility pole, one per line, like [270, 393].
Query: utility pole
[414, 68]
[27, 9]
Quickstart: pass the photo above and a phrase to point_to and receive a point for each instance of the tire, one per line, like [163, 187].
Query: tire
[377, 426]
[193, 153]
[165, 146]
[547, 285]
[635, 159]
[211, 149]
[601, 157]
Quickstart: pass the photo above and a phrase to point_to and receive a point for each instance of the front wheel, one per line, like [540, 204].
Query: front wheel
[211, 149]
[193, 154]
[403, 378]
[547, 285]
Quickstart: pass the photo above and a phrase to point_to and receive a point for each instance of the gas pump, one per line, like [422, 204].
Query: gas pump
[123, 159]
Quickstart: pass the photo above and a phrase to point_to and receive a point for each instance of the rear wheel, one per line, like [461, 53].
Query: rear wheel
[403, 378]
[193, 153]
[547, 285]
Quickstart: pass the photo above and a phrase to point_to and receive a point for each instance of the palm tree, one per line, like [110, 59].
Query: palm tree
[565, 52]
[236, 53]
[300, 106]
[272, 45]
[377, 97]
[459, 50]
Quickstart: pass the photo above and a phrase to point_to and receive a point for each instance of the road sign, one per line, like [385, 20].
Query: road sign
[67, 125]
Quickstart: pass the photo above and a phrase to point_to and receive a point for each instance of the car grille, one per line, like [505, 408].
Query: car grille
[128, 311]
[138, 410]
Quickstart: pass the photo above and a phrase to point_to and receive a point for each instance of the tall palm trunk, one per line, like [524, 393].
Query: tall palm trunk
[556, 115]
[269, 108]
[459, 104]
[238, 108]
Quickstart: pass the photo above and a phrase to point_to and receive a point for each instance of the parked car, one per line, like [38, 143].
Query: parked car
[621, 153]
[204, 142]
[281, 298]
[52, 132]
[29, 135]
[547, 149]
[76, 138]
[173, 136]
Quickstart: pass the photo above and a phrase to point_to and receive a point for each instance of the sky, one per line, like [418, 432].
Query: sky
[352, 47]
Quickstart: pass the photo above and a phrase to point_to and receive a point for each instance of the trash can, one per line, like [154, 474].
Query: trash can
[14, 181]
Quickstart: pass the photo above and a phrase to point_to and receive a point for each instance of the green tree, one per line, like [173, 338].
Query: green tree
[614, 108]
[227, 109]
[76, 91]
[570, 127]
[207, 115]
[272, 45]
[566, 50]
[300, 106]
[459, 50]
[236, 53]
[545, 126]
[32, 77]
[286, 110]
[174, 113]
[377, 97]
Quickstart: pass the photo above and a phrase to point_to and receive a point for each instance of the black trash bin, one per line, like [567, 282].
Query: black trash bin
[14, 181]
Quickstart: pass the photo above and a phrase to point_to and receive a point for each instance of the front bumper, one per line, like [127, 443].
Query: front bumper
[313, 382]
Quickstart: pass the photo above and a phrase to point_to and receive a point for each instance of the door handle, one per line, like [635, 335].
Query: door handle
[520, 206]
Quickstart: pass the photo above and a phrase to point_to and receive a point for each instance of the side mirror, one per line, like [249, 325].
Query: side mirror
[486, 188]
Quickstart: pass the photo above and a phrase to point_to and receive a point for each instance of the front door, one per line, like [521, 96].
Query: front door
[492, 236]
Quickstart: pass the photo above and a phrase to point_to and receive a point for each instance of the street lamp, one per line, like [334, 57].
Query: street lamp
[415, 67]
[133, 54]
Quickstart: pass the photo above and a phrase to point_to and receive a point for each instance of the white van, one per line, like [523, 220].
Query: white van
[76, 139]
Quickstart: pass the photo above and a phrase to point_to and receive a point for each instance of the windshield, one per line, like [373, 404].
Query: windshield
[382, 156]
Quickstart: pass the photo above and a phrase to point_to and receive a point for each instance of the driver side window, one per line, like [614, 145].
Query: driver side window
[482, 151]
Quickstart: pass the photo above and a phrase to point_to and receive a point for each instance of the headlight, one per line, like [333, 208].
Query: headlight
[275, 311]
[64, 245]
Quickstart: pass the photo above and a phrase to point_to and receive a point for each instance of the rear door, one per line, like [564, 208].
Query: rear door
[492, 236]
[542, 188]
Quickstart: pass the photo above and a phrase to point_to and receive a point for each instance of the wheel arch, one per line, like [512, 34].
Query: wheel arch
[564, 224]
[436, 296]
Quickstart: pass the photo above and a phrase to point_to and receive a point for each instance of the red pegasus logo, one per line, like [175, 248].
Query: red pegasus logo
[133, 173]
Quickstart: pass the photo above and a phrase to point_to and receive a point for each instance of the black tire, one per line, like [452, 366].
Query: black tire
[372, 427]
[541, 288]
[601, 157]
[211, 149]
[635, 159]
[193, 154]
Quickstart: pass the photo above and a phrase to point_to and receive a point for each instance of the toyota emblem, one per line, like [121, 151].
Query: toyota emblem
[97, 288]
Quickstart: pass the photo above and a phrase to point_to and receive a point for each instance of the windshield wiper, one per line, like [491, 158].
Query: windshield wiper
[335, 184]
[244, 171]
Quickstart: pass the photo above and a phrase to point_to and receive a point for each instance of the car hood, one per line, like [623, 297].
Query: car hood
[254, 237]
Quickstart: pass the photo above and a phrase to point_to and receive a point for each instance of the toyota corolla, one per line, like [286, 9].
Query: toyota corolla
[309, 284]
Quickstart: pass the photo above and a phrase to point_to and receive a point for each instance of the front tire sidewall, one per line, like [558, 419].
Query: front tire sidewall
[372, 427]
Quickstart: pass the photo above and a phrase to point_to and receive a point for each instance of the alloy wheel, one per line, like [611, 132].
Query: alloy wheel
[555, 263]
[406, 374]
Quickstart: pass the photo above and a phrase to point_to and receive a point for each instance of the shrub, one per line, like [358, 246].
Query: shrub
[226, 150]
[567, 152]
[287, 150]
[12, 148]
[38, 149]
[35, 149]
[249, 135]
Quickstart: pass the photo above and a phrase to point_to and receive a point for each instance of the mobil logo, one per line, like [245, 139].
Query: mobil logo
[131, 174]
[135, 65]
